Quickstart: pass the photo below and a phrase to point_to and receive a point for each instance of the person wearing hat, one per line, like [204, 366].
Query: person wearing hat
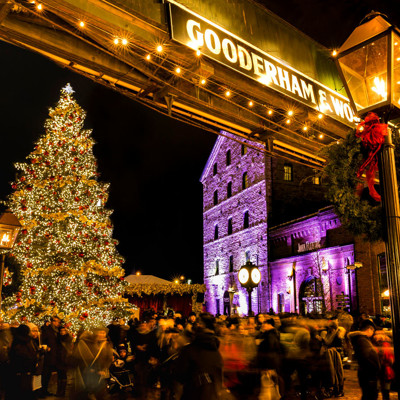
[367, 358]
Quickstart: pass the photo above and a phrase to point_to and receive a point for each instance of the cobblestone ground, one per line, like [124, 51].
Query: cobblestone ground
[351, 391]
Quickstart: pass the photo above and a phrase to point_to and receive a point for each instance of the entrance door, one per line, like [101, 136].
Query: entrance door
[311, 296]
[217, 307]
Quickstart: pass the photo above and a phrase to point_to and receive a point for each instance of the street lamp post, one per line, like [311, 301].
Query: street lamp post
[9, 228]
[249, 277]
[369, 63]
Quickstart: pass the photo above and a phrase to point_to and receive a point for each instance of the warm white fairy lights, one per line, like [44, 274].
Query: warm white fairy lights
[69, 261]
[288, 116]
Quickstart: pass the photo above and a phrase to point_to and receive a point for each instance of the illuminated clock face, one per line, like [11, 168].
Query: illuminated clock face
[256, 276]
[243, 276]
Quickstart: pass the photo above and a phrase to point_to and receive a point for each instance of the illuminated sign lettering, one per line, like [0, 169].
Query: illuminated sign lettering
[220, 45]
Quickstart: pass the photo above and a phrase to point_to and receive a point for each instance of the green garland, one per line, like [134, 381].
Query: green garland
[140, 289]
[362, 216]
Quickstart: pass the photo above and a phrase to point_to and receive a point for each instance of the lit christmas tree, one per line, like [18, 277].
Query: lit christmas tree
[70, 264]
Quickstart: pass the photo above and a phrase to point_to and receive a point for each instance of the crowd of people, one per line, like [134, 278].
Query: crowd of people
[200, 357]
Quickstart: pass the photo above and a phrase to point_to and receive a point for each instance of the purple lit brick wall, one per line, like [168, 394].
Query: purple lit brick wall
[316, 246]
[302, 245]
[251, 240]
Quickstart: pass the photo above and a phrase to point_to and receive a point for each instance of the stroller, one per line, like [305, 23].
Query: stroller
[120, 379]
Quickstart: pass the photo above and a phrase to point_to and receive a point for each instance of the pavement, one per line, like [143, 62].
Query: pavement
[351, 390]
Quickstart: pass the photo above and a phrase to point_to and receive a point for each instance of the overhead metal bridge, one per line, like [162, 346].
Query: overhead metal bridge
[127, 46]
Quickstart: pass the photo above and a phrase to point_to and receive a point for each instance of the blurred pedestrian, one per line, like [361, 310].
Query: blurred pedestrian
[368, 360]
[63, 356]
[199, 365]
[386, 358]
[23, 362]
[50, 338]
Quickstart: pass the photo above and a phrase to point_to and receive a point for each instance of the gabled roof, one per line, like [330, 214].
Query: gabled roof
[211, 158]
[146, 280]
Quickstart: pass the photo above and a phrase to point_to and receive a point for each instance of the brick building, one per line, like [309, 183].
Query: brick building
[273, 213]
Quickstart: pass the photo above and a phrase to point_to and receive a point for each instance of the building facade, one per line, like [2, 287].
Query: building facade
[273, 213]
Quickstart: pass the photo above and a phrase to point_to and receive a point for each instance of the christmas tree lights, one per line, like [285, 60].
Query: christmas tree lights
[68, 258]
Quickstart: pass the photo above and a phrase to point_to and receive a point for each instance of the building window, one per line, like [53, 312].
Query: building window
[215, 232]
[215, 197]
[230, 226]
[216, 267]
[247, 254]
[244, 149]
[246, 220]
[228, 158]
[316, 180]
[244, 181]
[229, 190]
[215, 169]
[288, 172]
[230, 263]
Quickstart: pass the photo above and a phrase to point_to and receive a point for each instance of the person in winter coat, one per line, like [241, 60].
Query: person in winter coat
[368, 360]
[37, 374]
[50, 339]
[269, 353]
[5, 344]
[23, 361]
[386, 358]
[199, 365]
[92, 356]
[64, 351]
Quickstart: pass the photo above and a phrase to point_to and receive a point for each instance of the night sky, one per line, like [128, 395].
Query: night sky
[153, 163]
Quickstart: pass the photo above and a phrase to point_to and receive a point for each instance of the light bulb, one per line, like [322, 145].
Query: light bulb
[251, 104]
[124, 42]
[321, 136]
[227, 93]
[203, 81]
[270, 112]
[320, 116]
[290, 113]
[81, 24]
[198, 53]
[116, 41]
[39, 7]
[148, 57]
[159, 48]
[288, 121]
[334, 53]
[178, 70]
[305, 128]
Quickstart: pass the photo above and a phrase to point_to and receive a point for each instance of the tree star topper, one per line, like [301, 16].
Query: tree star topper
[68, 89]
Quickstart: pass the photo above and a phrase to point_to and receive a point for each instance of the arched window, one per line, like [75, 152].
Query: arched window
[229, 190]
[246, 220]
[230, 228]
[215, 169]
[228, 158]
[215, 232]
[215, 197]
[244, 181]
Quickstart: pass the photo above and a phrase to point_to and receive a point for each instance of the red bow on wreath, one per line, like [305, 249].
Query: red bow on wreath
[372, 134]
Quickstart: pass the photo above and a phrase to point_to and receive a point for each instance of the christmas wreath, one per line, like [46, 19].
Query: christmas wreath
[357, 199]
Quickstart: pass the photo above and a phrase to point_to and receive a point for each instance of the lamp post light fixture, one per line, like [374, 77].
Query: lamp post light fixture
[249, 277]
[9, 228]
[369, 63]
